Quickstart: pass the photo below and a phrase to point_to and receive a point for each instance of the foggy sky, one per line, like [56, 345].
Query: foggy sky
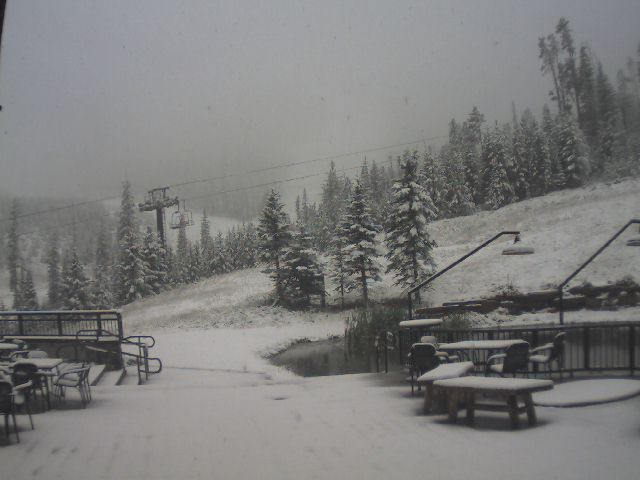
[168, 91]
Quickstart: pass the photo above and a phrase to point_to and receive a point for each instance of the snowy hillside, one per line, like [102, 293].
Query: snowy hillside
[565, 228]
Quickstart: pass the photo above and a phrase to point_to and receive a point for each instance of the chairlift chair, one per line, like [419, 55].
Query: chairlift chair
[181, 217]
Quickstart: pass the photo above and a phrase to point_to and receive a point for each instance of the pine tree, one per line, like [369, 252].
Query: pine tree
[206, 244]
[432, 181]
[102, 287]
[587, 98]
[13, 247]
[131, 269]
[152, 256]
[274, 237]
[607, 112]
[301, 270]
[338, 272]
[408, 240]
[53, 270]
[359, 233]
[572, 154]
[75, 285]
[330, 207]
[457, 198]
[28, 296]
[498, 190]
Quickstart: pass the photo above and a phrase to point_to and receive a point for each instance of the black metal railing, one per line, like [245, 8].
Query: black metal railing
[60, 323]
[590, 347]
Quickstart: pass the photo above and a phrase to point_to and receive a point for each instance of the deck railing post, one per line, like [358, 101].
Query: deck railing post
[586, 345]
[20, 324]
[534, 342]
[99, 325]
[59, 321]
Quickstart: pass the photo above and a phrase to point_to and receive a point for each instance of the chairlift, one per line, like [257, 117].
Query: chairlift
[181, 217]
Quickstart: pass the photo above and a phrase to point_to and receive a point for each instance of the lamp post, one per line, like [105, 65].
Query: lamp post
[514, 250]
[634, 242]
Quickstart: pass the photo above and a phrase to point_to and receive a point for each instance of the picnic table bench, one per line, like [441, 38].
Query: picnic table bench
[442, 372]
[510, 390]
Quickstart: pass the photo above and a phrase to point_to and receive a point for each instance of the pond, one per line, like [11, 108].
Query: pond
[324, 357]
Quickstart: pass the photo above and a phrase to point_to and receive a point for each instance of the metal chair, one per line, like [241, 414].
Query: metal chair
[73, 378]
[24, 373]
[422, 358]
[550, 352]
[514, 359]
[7, 408]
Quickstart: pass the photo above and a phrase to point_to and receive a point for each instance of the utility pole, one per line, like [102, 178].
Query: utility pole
[158, 200]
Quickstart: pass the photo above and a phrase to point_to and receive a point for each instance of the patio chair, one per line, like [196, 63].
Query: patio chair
[422, 358]
[73, 378]
[514, 359]
[444, 356]
[550, 352]
[28, 372]
[21, 399]
[7, 408]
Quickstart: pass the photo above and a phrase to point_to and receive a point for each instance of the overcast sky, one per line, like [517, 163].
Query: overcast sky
[166, 91]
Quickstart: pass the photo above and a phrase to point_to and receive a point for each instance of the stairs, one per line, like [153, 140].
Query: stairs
[111, 378]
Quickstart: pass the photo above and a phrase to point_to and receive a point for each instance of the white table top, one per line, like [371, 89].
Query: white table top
[41, 363]
[8, 346]
[496, 383]
[479, 345]
[420, 322]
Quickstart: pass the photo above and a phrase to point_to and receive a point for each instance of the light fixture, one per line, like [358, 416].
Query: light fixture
[634, 242]
[518, 248]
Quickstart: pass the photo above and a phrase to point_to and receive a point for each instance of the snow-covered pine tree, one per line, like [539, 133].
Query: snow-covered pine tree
[408, 239]
[274, 237]
[102, 286]
[220, 264]
[28, 296]
[130, 267]
[338, 272]
[13, 247]
[431, 179]
[301, 270]
[498, 192]
[572, 152]
[607, 113]
[330, 208]
[75, 285]
[520, 167]
[206, 245]
[53, 270]
[536, 151]
[457, 199]
[152, 256]
[359, 233]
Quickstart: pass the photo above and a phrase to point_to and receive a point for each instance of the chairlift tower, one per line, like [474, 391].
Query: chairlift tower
[157, 199]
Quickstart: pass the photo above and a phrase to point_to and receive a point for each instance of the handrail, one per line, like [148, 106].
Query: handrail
[581, 267]
[454, 264]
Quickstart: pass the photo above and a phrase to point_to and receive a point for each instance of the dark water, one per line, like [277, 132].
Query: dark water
[324, 357]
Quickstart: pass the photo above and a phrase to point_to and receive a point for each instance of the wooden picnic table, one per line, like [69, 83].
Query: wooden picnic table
[510, 390]
[442, 372]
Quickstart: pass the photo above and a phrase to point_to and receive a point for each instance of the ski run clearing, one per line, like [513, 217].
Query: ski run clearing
[221, 410]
